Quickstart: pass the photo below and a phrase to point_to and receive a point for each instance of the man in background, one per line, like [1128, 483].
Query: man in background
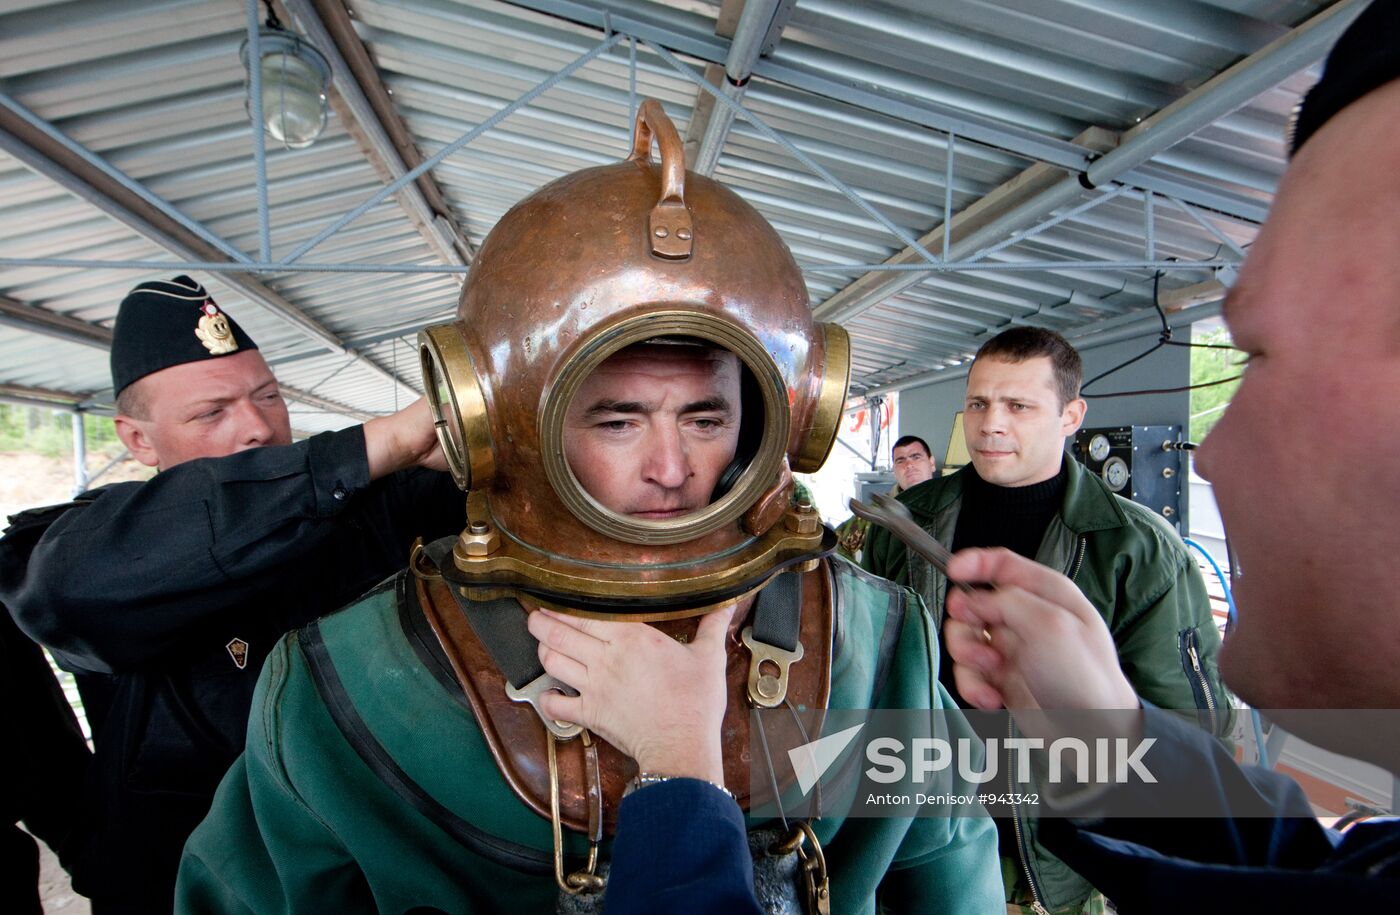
[1022, 492]
[913, 463]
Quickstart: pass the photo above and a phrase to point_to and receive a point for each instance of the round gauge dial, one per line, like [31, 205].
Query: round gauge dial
[1115, 473]
[1098, 447]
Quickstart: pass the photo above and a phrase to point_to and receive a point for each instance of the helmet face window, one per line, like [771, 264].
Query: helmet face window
[653, 429]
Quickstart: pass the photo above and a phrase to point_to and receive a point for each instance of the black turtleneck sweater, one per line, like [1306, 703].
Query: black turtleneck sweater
[1010, 517]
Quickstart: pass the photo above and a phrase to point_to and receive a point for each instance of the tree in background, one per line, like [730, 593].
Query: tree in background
[38, 430]
[1211, 365]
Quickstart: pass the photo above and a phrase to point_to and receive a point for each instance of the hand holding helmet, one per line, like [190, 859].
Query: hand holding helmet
[658, 700]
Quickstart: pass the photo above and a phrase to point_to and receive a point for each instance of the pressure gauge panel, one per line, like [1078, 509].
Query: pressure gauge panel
[1138, 463]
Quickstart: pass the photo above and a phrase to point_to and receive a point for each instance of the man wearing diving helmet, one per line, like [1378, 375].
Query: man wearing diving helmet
[665, 374]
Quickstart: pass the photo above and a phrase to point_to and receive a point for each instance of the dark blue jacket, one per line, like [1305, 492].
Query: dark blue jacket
[1259, 848]
[681, 848]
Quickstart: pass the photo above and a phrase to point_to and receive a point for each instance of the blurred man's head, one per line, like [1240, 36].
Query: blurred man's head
[189, 382]
[1022, 402]
[652, 429]
[913, 462]
[1302, 460]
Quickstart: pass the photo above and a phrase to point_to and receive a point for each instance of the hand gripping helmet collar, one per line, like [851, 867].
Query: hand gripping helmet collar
[593, 263]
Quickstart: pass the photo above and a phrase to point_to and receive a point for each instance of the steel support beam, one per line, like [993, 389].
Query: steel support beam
[1113, 331]
[27, 396]
[751, 36]
[255, 115]
[367, 110]
[1224, 93]
[1205, 293]
[988, 217]
[682, 39]
[986, 131]
[32, 319]
[39, 152]
[43, 136]
[423, 167]
[323, 403]
[224, 267]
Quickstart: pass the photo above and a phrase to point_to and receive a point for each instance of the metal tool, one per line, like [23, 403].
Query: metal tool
[894, 516]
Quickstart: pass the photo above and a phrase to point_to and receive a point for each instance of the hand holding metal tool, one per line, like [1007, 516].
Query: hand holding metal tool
[894, 516]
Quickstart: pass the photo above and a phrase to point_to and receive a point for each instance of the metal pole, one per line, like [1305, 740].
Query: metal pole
[744, 50]
[255, 102]
[632, 83]
[300, 321]
[1018, 237]
[1149, 226]
[877, 415]
[1129, 327]
[1204, 105]
[80, 477]
[948, 195]
[971, 266]
[393, 188]
[78, 263]
[316, 20]
[812, 165]
[1206, 224]
[116, 175]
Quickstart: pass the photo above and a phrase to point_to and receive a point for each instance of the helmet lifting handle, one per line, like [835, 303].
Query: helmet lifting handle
[669, 227]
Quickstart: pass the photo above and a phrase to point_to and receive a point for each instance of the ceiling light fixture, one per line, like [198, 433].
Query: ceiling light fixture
[294, 80]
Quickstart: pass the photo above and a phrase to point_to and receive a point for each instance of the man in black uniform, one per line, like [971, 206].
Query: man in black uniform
[165, 596]
[45, 759]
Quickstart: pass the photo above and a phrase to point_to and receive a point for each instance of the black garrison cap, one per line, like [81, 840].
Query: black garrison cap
[1366, 57]
[170, 322]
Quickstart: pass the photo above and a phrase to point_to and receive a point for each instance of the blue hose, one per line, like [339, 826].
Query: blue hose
[1234, 616]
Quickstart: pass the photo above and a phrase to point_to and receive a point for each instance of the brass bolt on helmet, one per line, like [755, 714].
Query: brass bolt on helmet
[592, 263]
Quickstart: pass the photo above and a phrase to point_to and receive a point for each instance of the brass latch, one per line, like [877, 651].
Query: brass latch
[768, 670]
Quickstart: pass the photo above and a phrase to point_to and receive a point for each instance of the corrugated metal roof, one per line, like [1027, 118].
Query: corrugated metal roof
[155, 87]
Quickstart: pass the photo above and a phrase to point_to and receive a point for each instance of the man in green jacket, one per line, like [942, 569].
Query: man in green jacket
[1022, 492]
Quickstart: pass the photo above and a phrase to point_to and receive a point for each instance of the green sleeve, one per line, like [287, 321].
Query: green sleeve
[943, 864]
[1152, 646]
[956, 869]
[885, 555]
[261, 849]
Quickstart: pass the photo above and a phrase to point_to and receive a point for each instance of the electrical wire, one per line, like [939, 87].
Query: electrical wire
[1204, 346]
[1119, 367]
[1183, 388]
[1163, 339]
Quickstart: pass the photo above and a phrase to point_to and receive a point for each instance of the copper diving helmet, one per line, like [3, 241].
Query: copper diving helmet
[596, 261]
